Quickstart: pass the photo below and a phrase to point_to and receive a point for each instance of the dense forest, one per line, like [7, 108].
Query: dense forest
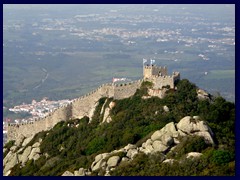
[134, 120]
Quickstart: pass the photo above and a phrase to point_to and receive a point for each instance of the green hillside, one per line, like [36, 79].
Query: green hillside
[73, 144]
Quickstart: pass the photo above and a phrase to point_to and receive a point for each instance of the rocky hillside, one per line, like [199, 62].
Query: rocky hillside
[181, 134]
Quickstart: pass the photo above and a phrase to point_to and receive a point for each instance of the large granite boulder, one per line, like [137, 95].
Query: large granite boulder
[80, 172]
[7, 158]
[193, 155]
[26, 141]
[131, 153]
[193, 126]
[130, 146]
[168, 129]
[10, 162]
[25, 154]
[36, 157]
[100, 161]
[34, 152]
[167, 140]
[113, 161]
[106, 117]
[19, 140]
[206, 135]
[35, 145]
[185, 125]
[67, 173]
[100, 164]
[156, 135]
[158, 146]
[13, 148]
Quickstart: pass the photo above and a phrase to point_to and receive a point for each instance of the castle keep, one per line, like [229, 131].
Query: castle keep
[159, 76]
[85, 105]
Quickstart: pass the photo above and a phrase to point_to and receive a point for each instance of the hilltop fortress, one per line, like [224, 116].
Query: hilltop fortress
[85, 105]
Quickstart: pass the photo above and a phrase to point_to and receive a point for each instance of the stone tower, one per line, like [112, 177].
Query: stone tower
[152, 71]
[159, 76]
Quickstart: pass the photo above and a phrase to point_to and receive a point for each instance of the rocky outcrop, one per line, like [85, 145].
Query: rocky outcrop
[26, 141]
[202, 95]
[80, 172]
[193, 155]
[158, 146]
[170, 161]
[106, 111]
[106, 117]
[91, 112]
[165, 108]
[19, 153]
[100, 161]
[163, 141]
[165, 138]
[9, 162]
[113, 161]
[112, 104]
[24, 156]
[193, 126]
[67, 173]
[131, 153]
[20, 139]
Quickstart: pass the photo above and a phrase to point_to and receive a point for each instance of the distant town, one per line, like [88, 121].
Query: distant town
[35, 109]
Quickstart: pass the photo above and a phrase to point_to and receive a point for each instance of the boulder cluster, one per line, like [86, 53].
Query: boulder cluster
[20, 153]
[163, 140]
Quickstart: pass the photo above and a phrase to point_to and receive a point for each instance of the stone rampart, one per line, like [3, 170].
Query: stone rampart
[126, 90]
[162, 81]
[41, 124]
[80, 107]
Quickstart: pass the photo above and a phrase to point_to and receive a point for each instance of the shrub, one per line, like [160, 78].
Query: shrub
[221, 157]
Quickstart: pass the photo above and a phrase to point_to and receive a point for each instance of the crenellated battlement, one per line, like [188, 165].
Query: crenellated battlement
[78, 108]
[85, 105]
[159, 76]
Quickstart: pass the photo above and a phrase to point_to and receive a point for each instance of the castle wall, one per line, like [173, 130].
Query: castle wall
[158, 70]
[126, 90]
[82, 106]
[161, 81]
[85, 105]
[41, 124]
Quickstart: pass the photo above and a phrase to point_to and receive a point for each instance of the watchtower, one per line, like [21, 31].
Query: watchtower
[153, 71]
